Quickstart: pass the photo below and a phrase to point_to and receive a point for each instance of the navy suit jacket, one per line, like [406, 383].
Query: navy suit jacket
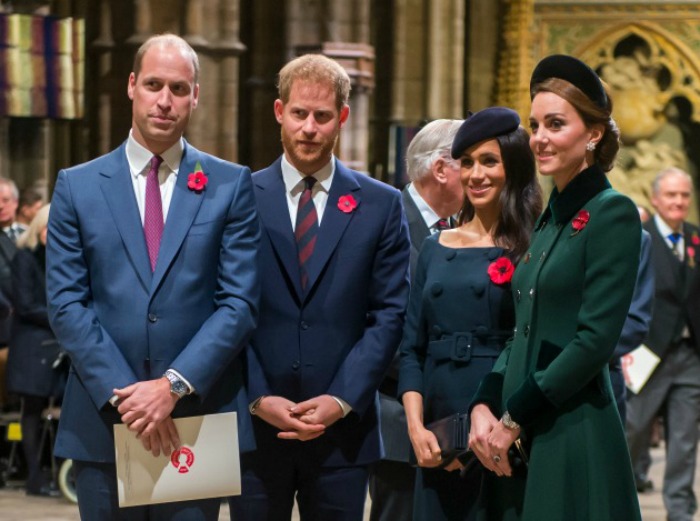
[677, 296]
[339, 336]
[120, 322]
[417, 229]
[33, 346]
[636, 325]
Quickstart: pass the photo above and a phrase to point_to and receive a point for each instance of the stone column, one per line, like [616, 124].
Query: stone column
[105, 89]
[445, 78]
[142, 22]
[409, 59]
[230, 48]
[194, 23]
[515, 61]
[332, 27]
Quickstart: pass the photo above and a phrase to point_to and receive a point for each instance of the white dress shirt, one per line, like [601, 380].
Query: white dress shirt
[665, 230]
[294, 186]
[427, 213]
[139, 159]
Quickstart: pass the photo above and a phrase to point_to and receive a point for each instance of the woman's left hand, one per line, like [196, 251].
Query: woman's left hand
[499, 441]
[482, 424]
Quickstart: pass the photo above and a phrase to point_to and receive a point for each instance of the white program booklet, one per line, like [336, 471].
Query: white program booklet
[637, 367]
[207, 464]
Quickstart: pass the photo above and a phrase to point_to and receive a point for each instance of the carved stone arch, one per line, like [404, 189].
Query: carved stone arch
[651, 73]
[665, 51]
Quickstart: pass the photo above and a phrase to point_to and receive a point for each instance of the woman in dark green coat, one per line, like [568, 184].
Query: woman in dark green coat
[572, 290]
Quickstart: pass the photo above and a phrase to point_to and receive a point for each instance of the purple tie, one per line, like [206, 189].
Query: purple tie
[153, 215]
[306, 228]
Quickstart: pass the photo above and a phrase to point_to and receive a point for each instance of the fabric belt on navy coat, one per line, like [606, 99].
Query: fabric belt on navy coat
[463, 346]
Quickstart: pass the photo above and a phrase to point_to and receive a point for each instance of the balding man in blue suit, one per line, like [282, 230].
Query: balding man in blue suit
[334, 254]
[152, 286]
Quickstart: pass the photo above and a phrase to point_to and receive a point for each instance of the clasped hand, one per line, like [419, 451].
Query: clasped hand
[301, 421]
[427, 449]
[145, 409]
[490, 440]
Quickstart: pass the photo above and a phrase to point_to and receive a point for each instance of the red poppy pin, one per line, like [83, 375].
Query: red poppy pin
[695, 239]
[580, 221]
[691, 256]
[501, 271]
[347, 203]
[197, 180]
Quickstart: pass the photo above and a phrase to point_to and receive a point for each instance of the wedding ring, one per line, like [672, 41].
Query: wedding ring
[496, 459]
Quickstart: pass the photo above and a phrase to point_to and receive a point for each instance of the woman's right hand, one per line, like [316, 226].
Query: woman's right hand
[482, 423]
[425, 446]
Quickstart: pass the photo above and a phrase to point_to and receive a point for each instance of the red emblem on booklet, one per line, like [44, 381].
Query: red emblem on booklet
[182, 459]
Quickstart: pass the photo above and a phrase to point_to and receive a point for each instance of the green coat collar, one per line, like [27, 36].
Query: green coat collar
[577, 193]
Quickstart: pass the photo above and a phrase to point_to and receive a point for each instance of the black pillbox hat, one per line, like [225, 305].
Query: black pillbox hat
[485, 124]
[575, 72]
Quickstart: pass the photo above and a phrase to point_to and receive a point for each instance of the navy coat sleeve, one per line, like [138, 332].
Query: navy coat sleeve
[637, 323]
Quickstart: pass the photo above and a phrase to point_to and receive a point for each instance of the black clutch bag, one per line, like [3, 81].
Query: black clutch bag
[452, 433]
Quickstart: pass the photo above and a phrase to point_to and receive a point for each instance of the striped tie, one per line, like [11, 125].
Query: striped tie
[306, 228]
[153, 214]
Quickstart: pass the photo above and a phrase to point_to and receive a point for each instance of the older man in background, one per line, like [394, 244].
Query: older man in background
[674, 335]
[431, 199]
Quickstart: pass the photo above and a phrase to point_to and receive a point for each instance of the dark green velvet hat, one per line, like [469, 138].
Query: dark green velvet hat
[575, 72]
[485, 124]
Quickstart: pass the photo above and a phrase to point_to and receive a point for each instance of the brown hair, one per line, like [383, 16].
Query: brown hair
[591, 114]
[315, 68]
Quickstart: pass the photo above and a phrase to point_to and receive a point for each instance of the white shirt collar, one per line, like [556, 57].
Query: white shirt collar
[292, 177]
[428, 214]
[139, 156]
[664, 229]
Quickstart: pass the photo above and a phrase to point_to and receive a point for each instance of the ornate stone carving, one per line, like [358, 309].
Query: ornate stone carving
[647, 52]
[516, 60]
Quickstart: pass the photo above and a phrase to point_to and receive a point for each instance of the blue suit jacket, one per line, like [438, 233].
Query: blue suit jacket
[636, 325]
[339, 337]
[120, 323]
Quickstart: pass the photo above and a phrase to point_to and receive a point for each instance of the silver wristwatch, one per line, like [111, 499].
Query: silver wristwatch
[253, 407]
[177, 385]
[508, 422]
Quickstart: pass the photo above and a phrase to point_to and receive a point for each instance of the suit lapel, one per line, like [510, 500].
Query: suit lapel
[416, 224]
[334, 221]
[118, 191]
[689, 261]
[184, 206]
[663, 256]
[272, 206]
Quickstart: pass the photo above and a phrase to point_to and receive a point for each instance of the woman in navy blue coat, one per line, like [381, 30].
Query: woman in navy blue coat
[33, 347]
[461, 311]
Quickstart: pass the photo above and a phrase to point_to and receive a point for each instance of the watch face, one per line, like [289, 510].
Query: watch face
[178, 388]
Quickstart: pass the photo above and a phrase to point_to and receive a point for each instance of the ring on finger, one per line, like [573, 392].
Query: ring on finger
[497, 459]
